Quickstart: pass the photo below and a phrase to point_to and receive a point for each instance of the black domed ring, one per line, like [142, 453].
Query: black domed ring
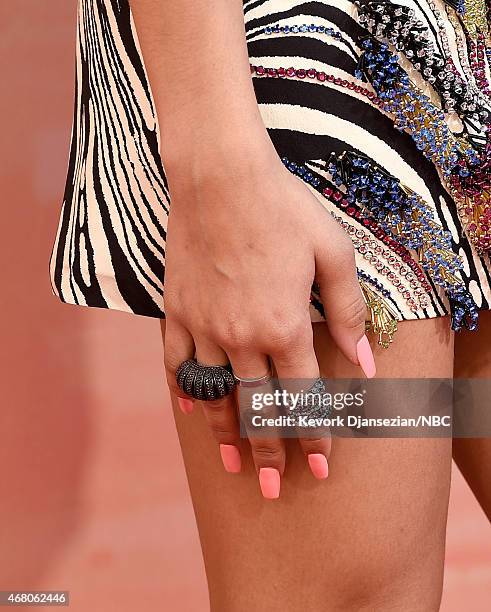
[204, 382]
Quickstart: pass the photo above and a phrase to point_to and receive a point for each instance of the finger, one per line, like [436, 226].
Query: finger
[344, 305]
[221, 414]
[268, 451]
[178, 346]
[317, 453]
[297, 369]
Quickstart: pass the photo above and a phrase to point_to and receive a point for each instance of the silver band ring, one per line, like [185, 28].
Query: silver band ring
[253, 382]
[205, 383]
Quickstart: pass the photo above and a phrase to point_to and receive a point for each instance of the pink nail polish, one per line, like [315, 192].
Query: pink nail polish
[185, 405]
[269, 481]
[231, 458]
[365, 357]
[318, 465]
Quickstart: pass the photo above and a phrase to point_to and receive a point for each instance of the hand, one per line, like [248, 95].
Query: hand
[244, 245]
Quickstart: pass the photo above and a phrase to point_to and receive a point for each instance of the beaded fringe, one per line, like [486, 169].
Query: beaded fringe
[383, 320]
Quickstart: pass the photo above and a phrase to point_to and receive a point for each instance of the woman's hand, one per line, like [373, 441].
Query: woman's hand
[245, 237]
[245, 242]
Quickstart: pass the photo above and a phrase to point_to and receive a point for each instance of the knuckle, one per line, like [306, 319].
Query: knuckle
[285, 334]
[344, 253]
[235, 333]
[267, 453]
[222, 434]
[171, 362]
[172, 311]
[353, 314]
[345, 246]
[315, 444]
[172, 304]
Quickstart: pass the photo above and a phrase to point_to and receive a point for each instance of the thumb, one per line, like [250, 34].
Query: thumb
[344, 306]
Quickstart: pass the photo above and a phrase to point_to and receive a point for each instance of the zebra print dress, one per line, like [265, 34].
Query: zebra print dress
[381, 108]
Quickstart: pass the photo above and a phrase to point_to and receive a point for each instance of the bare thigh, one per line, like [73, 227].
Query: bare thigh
[473, 456]
[370, 537]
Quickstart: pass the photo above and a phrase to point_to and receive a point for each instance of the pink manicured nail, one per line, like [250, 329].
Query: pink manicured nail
[269, 481]
[231, 458]
[365, 357]
[318, 465]
[185, 405]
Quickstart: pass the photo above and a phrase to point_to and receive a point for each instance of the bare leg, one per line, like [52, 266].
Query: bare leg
[473, 456]
[370, 537]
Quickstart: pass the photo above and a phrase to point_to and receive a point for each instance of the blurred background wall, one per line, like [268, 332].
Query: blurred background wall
[94, 498]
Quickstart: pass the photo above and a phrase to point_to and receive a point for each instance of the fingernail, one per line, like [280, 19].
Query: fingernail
[318, 465]
[269, 481]
[230, 458]
[185, 405]
[365, 357]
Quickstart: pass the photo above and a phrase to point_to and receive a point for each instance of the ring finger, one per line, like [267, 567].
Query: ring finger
[297, 369]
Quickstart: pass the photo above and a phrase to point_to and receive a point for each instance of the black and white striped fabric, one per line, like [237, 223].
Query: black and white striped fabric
[110, 245]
